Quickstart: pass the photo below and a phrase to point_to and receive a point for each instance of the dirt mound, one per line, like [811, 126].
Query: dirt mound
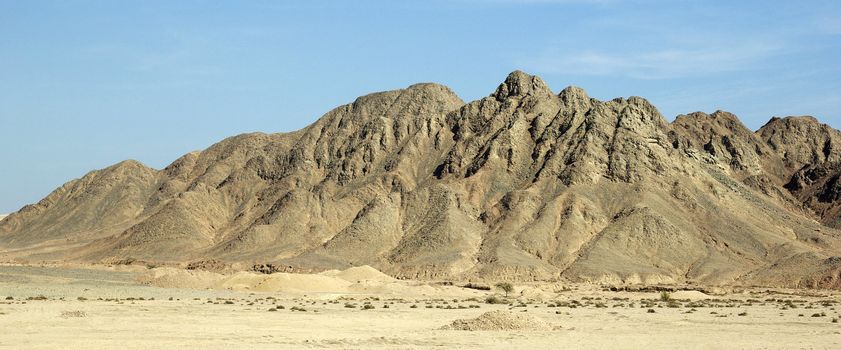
[169, 277]
[500, 321]
[360, 273]
[374, 282]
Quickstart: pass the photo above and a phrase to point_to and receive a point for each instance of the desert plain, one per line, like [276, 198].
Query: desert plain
[140, 307]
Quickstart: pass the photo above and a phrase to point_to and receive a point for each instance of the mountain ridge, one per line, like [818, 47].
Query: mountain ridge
[523, 184]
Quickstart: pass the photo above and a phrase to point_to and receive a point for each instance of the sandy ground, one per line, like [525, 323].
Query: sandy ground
[102, 308]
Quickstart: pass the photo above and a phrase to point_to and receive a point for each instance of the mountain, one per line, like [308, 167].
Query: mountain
[524, 184]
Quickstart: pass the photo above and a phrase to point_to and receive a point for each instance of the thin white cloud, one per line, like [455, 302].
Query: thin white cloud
[656, 64]
[831, 26]
[538, 2]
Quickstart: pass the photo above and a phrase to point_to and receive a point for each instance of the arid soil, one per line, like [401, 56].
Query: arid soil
[106, 307]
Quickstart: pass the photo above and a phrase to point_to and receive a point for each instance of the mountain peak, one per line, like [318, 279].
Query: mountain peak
[523, 184]
[801, 120]
[520, 84]
[573, 95]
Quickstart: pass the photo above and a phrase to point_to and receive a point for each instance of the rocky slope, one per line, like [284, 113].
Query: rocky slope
[523, 184]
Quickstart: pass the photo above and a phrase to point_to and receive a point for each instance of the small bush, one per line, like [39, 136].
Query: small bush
[651, 311]
[126, 261]
[367, 307]
[68, 314]
[505, 287]
[493, 299]
[665, 296]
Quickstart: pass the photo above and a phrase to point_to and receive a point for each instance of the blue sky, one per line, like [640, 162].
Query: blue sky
[85, 84]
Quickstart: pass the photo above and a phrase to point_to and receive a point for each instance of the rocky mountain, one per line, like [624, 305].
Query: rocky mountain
[524, 184]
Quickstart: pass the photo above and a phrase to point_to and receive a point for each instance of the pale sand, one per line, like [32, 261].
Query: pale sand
[187, 323]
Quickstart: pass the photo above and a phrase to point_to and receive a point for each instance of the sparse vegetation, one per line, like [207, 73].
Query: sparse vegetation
[505, 287]
[76, 313]
[493, 299]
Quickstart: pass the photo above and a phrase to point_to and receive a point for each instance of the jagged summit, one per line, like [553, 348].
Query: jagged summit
[519, 84]
[523, 184]
[573, 95]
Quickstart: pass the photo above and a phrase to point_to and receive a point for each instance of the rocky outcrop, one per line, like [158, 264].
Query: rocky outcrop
[811, 152]
[522, 184]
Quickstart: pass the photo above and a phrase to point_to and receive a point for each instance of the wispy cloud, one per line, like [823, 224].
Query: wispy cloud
[654, 64]
[831, 26]
[539, 2]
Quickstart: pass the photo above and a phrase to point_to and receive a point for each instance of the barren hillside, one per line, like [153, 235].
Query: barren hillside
[522, 184]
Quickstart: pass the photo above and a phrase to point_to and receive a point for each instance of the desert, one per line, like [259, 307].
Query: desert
[375, 174]
[82, 307]
[410, 219]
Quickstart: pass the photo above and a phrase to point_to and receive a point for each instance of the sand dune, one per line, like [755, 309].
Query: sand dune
[355, 280]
